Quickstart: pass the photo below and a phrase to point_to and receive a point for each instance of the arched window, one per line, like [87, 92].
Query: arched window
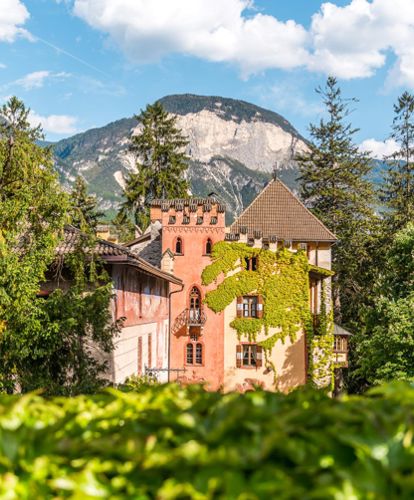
[179, 246]
[195, 304]
[209, 246]
[189, 354]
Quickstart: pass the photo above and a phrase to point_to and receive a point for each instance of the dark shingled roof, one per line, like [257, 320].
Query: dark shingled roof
[111, 252]
[277, 212]
[191, 203]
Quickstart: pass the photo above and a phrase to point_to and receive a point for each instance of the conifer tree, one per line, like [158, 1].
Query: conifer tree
[84, 211]
[398, 188]
[334, 184]
[161, 164]
[32, 214]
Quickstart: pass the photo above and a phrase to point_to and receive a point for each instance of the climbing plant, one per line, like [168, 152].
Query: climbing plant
[282, 279]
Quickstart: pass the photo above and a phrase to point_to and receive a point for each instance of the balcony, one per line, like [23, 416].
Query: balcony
[189, 318]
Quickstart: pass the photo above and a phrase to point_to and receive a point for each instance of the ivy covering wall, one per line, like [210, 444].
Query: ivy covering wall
[282, 279]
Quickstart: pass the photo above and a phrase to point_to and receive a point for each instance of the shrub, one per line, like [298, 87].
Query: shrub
[171, 442]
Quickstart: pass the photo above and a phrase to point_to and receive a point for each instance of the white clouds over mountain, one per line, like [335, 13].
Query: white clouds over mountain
[13, 14]
[379, 149]
[54, 124]
[349, 42]
[214, 30]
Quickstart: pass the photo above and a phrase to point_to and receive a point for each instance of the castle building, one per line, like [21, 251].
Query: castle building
[232, 325]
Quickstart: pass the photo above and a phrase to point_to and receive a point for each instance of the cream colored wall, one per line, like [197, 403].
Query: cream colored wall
[288, 358]
[125, 355]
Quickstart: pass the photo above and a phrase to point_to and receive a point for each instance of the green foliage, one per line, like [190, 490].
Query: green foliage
[398, 187]
[32, 214]
[83, 210]
[161, 164]
[170, 442]
[282, 279]
[138, 383]
[334, 177]
[384, 349]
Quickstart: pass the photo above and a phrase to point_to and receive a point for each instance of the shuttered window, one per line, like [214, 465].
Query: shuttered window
[249, 356]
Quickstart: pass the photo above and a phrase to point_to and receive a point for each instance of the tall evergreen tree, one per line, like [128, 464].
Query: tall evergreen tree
[334, 184]
[84, 211]
[161, 164]
[398, 188]
[32, 214]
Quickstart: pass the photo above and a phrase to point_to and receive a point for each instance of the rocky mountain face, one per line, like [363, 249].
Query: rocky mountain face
[234, 147]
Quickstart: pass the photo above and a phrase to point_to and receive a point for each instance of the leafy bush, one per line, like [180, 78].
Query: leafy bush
[170, 442]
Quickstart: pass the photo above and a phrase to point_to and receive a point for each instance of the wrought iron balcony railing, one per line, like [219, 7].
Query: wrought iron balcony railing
[189, 317]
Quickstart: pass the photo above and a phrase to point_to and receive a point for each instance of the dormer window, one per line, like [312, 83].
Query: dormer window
[209, 246]
[179, 246]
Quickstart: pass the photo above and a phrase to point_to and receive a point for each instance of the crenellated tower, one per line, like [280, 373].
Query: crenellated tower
[189, 229]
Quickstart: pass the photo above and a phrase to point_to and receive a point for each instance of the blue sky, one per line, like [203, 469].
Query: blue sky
[80, 64]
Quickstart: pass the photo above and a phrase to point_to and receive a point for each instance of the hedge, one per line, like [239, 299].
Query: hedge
[170, 442]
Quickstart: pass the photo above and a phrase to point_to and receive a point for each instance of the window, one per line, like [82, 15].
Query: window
[249, 307]
[179, 246]
[250, 263]
[209, 246]
[189, 353]
[199, 354]
[200, 220]
[340, 344]
[213, 220]
[171, 219]
[195, 304]
[186, 219]
[249, 356]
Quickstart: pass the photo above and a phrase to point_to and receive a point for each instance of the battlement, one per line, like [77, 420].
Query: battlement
[198, 212]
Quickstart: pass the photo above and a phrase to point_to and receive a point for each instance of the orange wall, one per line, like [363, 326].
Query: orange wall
[189, 267]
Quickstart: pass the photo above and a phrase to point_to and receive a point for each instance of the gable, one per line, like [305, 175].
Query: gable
[277, 212]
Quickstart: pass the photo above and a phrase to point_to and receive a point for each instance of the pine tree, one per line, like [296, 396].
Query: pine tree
[334, 184]
[84, 212]
[398, 188]
[161, 164]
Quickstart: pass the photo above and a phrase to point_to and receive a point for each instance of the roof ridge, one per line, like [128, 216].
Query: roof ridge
[306, 208]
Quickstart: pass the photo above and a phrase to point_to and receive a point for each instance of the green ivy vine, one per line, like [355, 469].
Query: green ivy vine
[282, 279]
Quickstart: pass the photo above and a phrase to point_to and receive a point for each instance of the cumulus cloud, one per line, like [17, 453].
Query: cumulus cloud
[13, 14]
[379, 149]
[350, 41]
[212, 30]
[37, 79]
[353, 41]
[55, 124]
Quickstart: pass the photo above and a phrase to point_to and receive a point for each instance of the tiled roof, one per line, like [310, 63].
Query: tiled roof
[277, 212]
[108, 251]
[192, 204]
[338, 330]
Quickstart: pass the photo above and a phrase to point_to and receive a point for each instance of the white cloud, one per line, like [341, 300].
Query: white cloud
[38, 78]
[13, 14]
[55, 124]
[379, 149]
[2, 66]
[352, 41]
[209, 29]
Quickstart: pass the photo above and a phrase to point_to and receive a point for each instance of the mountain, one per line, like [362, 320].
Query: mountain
[234, 146]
